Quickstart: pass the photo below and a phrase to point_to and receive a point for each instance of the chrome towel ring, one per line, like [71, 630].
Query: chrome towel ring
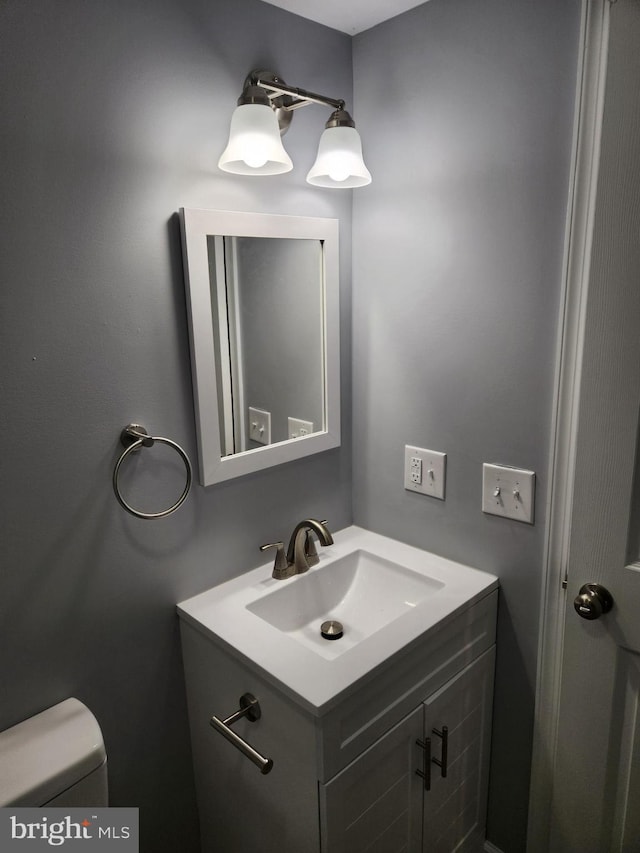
[133, 437]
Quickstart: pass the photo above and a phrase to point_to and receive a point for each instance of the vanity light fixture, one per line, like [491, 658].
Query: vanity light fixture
[263, 115]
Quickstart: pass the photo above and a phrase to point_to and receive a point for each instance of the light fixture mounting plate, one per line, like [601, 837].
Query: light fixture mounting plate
[281, 104]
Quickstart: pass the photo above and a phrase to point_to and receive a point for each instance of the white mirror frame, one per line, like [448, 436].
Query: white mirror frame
[196, 226]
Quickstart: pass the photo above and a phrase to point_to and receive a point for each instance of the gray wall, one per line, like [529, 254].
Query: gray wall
[281, 320]
[113, 116]
[466, 111]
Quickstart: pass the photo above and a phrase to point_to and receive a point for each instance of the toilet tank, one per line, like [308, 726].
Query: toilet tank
[56, 758]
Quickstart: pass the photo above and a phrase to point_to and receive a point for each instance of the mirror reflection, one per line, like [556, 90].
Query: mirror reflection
[267, 307]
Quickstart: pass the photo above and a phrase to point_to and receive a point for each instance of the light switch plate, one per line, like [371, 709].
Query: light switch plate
[297, 428]
[425, 471]
[259, 425]
[508, 492]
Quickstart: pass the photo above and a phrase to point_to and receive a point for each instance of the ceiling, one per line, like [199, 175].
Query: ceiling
[349, 16]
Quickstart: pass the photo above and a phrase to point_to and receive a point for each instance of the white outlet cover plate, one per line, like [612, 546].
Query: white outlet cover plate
[297, 428]
[259, 425]
[434, 469]
[508, 492]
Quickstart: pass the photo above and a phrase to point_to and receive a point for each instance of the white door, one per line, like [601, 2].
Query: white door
[595, 771]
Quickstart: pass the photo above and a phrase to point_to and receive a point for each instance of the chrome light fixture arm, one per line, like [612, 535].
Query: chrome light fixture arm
[255, 148]
[292, 97]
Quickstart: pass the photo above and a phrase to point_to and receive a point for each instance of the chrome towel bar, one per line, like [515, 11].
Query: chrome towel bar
[249, 708]
[133, 437]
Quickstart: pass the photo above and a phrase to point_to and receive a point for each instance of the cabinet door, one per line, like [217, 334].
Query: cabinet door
[455, 806]
[375, 803]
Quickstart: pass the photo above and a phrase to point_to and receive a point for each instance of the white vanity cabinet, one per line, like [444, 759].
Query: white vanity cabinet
[346, 776]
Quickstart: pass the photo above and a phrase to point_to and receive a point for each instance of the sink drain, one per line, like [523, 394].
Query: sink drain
[331, 630]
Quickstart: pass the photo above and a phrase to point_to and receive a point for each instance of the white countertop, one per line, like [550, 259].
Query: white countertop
[313, 679]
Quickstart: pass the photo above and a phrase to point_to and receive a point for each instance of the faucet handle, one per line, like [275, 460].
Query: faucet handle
[281, 567]
[310, 550]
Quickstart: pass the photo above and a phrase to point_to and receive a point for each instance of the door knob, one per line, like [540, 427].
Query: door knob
[592, 601]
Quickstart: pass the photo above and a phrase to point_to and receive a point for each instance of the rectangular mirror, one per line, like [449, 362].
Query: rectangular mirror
[263, 304]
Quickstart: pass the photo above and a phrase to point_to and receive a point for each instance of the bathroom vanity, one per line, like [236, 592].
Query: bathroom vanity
[379, 740]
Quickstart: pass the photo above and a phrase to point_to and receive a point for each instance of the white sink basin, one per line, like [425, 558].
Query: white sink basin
[363, 591]
[385, 593]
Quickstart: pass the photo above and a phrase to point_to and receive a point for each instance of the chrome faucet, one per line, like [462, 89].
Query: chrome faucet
[301, 553]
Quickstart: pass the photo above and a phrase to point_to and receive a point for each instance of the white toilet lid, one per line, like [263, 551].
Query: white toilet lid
[49, 753]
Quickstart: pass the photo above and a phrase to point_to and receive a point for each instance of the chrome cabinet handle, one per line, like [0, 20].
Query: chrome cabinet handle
[442, 761]
[425, 773]
[249, 708]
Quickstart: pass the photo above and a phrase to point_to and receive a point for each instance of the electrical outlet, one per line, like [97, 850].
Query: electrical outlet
[259, 425]
[508, 492]
[297, 428]
[425, 471]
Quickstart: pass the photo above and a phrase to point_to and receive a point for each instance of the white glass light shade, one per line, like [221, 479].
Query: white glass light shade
[339, 163]
[254, 146]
